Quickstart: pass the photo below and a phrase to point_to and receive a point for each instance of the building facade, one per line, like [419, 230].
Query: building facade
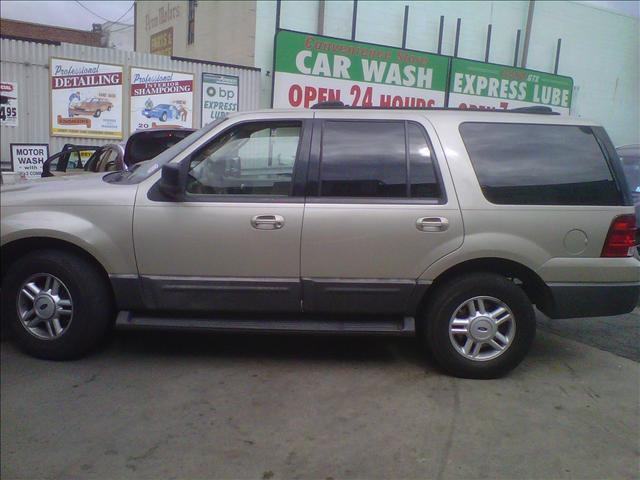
[599, 48]
[220, 31]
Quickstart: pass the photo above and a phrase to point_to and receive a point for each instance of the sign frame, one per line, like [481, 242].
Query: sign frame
[202, 82]
[510, 67]
[372, 44]
[129, 96]
[89, 134]
[449, 73]
[16, 144]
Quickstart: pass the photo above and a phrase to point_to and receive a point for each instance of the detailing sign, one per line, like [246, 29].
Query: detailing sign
[86, 99]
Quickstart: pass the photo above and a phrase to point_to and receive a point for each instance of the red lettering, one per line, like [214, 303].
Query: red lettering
[295, 95]
[310, 95]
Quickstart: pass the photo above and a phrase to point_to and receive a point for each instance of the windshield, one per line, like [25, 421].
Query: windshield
[143, 170]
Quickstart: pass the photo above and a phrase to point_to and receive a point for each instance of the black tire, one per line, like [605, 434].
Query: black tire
[163, 117]
[92, 304]
[444, 303]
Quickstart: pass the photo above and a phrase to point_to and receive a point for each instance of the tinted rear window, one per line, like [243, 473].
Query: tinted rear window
[539, 164]
[384, 159]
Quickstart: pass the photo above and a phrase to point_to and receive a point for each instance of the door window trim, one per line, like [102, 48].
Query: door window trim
[314, 169]
[298, 178]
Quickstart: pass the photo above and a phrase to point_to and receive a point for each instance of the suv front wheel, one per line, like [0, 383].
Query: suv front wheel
[57, 305]
[479, 326]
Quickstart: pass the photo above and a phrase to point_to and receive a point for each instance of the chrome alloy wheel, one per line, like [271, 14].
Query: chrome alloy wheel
[45, 307]
[482, 328]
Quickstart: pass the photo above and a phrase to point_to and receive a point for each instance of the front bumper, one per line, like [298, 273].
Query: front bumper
[571, 300]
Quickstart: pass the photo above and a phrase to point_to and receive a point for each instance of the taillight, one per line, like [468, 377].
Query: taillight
[621, 237]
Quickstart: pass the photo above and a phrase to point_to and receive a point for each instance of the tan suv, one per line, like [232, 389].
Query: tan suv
[448, 224]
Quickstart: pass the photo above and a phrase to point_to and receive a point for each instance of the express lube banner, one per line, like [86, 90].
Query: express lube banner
[478, 85]
[86, 99]
[312, 68]
[160, 99]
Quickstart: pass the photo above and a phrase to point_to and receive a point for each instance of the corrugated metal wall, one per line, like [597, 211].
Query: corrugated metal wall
[27, 63]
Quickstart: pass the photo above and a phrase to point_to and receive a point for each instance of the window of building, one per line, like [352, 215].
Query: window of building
[191, 22]
[539, 164]
[251, 159]
[370, 159]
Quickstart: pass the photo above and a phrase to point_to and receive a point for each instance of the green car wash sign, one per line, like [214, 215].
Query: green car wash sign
[311, 68]
[478, 85]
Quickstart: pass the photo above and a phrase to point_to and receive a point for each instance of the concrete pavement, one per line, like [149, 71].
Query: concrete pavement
[222, 406]
[619, 334]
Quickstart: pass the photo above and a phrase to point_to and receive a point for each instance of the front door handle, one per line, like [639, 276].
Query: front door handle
[432, 224]
[267, 222]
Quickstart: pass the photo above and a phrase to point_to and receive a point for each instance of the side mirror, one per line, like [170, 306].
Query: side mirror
[173, 181]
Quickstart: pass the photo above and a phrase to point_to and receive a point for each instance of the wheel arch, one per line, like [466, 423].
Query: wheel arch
[16, 249]
[536, 289]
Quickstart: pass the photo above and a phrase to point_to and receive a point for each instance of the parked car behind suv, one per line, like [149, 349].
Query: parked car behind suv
[141, 145]
[450, 225]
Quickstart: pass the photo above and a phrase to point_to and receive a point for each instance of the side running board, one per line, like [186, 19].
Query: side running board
[347, 325]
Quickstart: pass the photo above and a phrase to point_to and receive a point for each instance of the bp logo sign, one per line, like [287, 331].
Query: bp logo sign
[219, 96]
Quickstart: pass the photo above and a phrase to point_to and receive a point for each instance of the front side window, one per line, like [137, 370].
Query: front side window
[532, 164]
[384, 159]
[250, 159]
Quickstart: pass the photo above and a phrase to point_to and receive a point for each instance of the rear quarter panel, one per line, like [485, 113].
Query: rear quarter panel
[560, 243]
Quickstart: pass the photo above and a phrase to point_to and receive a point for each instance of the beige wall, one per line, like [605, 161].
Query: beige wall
[224, 30]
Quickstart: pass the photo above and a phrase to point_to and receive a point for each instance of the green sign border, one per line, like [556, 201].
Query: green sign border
[279, 51]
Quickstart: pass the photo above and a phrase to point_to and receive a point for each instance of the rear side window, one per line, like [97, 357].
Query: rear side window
[383, 159]
[526, 164]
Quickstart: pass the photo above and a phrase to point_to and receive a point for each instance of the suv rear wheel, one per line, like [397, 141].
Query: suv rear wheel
[479, 326]
[57, 305]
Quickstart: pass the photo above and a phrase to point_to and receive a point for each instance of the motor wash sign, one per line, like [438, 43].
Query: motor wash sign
[86, 99]
[27, 158]
[160, 99]
[312, 68]
[481, 86]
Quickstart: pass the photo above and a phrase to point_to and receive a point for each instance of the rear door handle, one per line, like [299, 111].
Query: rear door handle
[432, 224]
[267, 222]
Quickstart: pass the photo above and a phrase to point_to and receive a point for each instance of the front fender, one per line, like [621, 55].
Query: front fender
[104, 232]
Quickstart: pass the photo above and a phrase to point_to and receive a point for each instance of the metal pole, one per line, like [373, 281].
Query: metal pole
[488, 47]
[515, 55]
[404, 26]
[354, 19]
[527, 33]
[321, 6]
[555, 68]
[455, 48]
[273, 62]
[440, 32]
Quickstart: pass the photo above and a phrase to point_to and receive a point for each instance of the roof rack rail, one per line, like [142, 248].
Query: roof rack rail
[536, 109]
[331, 104]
